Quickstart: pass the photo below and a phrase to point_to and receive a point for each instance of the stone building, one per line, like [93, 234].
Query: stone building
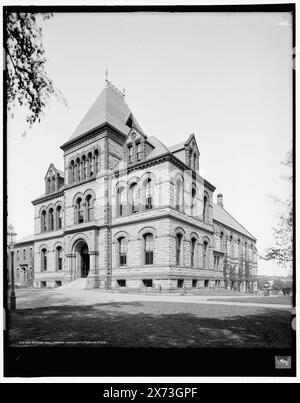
[127, 211]
[24, 262]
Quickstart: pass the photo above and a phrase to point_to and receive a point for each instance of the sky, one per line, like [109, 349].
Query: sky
[226, 77]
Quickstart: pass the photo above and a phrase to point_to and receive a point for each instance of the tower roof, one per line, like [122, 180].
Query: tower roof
[110, 107]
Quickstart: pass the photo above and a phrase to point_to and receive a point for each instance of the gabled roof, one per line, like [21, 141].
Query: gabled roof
[182, 144]
[223, 217]
[110, 108]
[159, 147]
[58, 171]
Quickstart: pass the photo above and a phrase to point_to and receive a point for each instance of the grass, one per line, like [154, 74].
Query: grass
[152, 324]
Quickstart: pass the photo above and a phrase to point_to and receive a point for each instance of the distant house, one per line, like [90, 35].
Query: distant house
[24, 261]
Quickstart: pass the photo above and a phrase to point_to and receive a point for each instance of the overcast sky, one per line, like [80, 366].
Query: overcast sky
[227, 77]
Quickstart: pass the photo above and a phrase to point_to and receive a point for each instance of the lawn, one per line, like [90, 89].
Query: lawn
[151, 324]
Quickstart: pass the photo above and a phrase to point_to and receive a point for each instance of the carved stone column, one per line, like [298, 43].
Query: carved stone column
[93, 280]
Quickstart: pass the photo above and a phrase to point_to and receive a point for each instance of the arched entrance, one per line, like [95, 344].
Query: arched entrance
[82, 259]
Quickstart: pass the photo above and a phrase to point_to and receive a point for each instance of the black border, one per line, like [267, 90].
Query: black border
[38, 362]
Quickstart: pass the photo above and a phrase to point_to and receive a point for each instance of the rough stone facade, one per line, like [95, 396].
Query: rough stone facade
[129, 212]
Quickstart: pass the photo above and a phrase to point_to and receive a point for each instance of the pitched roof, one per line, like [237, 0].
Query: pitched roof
[159, 147]
[223, 217]
[177, 147]
[109, 107]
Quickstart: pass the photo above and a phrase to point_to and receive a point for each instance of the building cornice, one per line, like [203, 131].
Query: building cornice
[48, 197]
[90, 134]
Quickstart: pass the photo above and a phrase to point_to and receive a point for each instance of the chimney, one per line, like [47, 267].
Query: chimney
[220, 200]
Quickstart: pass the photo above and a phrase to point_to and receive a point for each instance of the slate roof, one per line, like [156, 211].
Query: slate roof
[110, 107]
[223, 217]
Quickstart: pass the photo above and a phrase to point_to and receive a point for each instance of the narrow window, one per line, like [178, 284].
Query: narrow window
[91, 165]
[58, 218]
[122, 252]
[133, 198]
[59, 258]
[178, 249]
[79, 207]
[194, 283]
[51, 219]
[30, 253]
[130, 154]
[178, 197]
[44, 259]
[148, 240]
[205, 246]
[84, 167]
[205, 209]
[193, 247]
[193, 205]
[89, 208]
[24, 254]
[180, 283]
[43, 221]
[138, 151]
[121, 201]
[18, 255]
[206, 283]
[148, 194]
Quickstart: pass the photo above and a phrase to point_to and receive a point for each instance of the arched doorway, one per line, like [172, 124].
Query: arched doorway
[82, 259]
[85, 261]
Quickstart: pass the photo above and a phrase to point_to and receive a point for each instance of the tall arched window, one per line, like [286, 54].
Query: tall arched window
[205, 254]
[122, 251]
[59, 258]
[178, 249]
[44, 259]
[97, 161]
[205, 208]
[193, 249]
[51, 219]
[91, 164]
[43, 221]
[193, 202]
[79, 217]
[222, 241]
[58, 217]
[148, 195]
[133, 198]
[179, 195]
[148, 249]
[121, 202]
[89, 208]
[84, 167]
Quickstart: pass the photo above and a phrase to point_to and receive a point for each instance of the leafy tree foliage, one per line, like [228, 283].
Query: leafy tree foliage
[27, 81]
[282, 251]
